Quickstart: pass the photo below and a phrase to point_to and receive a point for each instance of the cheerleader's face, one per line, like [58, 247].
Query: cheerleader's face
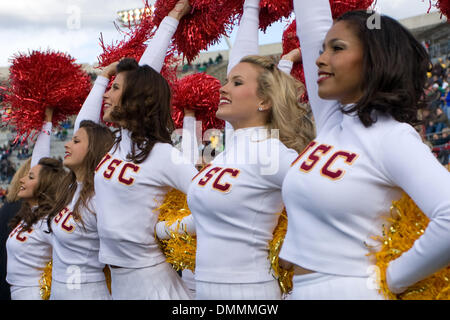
[29, 183]
[76, 150]
[239, 101]
[341, 65]
[113, 96]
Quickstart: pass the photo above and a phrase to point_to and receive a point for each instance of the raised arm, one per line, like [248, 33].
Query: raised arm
[155, 53]
[246, 43]
[313, 22]
[92, 106]
[189, 144]
[42, 146]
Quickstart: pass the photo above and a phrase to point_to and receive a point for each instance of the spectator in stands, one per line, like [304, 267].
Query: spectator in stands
[219, 58]
[441, 141]
[441, 120]
[428, 120]
[438, 69]
[434, 97]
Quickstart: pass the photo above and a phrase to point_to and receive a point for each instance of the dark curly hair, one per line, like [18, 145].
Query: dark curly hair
[395, 67]
[144, 108]
[50, 176]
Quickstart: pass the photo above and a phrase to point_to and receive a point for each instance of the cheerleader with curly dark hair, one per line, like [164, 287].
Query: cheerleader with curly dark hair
[365, 76]
[134, 176]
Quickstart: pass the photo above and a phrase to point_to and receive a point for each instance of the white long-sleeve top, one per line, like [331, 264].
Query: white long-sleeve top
[42, 146]
[29, 252]
[341, 186]
[127, 194]
[76, 244]
[235, 202]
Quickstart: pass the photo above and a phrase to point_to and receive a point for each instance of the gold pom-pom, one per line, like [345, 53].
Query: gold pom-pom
[180, 248]
[407, 224]
[284, 276]
[45, 282]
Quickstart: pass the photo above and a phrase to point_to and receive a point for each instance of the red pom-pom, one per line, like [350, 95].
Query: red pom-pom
[133, 44]
[272, 11]
[444, 7]
[198, 92]
[40, 80]
[339, 7]
[202, 27]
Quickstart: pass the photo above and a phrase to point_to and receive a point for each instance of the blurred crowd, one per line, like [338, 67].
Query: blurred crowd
[436, 117]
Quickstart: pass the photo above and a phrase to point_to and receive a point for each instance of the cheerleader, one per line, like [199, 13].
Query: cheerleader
[29, 244]
[134, 176]
[77, 273]
[236, 198]
[7, 212]
[365, 86]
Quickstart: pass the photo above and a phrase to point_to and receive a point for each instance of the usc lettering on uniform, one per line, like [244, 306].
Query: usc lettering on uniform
[217, 173]
[19, 234]
[328, 170]
[110, 166]
[65, 225]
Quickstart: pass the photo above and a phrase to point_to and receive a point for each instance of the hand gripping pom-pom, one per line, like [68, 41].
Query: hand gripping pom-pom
[200, 28]
[39, 80]
[198, 92]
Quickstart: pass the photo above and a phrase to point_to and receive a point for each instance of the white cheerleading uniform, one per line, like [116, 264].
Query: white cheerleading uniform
[28, 255]
[29, 252]
[344, 182]
[77, 272]
[235, 202]
[236, 199]
[128, 194]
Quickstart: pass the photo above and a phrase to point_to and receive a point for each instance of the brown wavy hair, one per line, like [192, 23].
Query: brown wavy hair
[100, 141]
[145, 108]
[282, 93]
[50, 176]
[395, 67]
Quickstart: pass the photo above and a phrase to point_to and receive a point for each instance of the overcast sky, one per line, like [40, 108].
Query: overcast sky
[74, 26]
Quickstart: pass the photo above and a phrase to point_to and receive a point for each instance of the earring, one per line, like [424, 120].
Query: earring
[260, 109]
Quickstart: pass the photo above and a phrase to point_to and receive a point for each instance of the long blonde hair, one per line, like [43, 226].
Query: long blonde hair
[282, 93]
[14, 186]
